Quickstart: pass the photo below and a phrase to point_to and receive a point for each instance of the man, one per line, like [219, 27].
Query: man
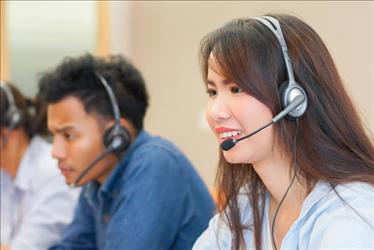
[139, 191]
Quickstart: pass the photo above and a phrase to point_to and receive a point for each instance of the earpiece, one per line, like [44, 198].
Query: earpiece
[13, 116]
[289, 89]
[116, 138]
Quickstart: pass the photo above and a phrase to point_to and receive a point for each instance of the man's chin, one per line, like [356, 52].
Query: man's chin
[69, 182]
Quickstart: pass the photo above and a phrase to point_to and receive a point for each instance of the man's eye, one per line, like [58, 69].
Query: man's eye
[236, 90]
[211, 92]
[68, 136]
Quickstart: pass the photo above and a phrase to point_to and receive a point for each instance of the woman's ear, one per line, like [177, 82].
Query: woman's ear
[5, 133]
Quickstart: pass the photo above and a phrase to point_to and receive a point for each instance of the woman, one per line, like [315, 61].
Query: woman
[36, 204]
[306, 182]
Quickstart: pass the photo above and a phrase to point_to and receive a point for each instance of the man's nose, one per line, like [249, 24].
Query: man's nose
[58, 148]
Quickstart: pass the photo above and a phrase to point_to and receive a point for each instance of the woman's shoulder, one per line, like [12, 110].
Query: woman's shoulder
[218, 234]
[356, 189]
[353, 193]
[351, 204]
[342, 217]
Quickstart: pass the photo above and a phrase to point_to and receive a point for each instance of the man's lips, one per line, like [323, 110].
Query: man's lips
[65, 170]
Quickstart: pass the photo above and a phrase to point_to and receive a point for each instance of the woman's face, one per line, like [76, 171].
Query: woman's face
[233, 113]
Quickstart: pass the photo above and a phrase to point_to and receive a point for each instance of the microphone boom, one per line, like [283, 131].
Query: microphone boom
[230, 143]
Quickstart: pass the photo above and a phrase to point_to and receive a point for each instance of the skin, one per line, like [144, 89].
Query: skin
[78, 140]
[231, 108]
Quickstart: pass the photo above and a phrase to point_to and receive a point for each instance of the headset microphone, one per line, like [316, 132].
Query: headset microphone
[112, 148]
[90, 166]
[229, 144]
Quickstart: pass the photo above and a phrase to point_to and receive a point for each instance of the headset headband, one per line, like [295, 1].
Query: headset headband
[274, 26]
[112, 98]
[8, 95]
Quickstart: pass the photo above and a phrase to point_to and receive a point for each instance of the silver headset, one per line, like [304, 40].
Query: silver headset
[289, 89]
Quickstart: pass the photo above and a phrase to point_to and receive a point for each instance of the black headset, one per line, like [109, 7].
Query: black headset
[13, 116]
[116, 138]
[289, 89]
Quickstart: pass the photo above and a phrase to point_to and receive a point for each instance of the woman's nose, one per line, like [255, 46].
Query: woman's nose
[219, 110]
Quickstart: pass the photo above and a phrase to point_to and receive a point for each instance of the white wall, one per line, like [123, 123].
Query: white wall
[41, 33]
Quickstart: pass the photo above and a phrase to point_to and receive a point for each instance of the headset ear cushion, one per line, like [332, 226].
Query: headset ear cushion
[117, 137]
[287, 95]
[13, 118]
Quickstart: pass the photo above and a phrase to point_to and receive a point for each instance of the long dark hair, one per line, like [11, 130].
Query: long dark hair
[332, 143]
[33, 111]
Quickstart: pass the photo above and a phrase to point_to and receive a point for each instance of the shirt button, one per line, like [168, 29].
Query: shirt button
[106, 218]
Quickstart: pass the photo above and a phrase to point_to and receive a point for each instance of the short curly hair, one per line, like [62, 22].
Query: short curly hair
[77, 77]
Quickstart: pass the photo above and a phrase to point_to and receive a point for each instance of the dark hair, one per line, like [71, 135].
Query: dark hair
[77, 77]
[332, 143]
[33, 111]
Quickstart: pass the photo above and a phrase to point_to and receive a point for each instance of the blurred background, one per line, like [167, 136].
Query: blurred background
[162, 40]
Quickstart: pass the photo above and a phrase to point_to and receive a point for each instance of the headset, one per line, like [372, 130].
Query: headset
[13, 116]
[116, 138]
[289, 89]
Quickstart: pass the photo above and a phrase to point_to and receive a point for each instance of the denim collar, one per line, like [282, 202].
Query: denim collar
[110, 187]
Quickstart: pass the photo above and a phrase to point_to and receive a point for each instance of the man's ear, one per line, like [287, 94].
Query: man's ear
[128, 125]
[124, 123]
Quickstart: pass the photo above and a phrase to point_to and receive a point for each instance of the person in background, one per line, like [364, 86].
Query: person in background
[36, 204]
[139, 191]
[305, 182]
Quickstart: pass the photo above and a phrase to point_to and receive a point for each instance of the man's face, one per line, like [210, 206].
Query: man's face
[77, 141]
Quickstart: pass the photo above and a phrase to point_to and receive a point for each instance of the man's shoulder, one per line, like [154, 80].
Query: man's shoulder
[158, 158]
[159, 148]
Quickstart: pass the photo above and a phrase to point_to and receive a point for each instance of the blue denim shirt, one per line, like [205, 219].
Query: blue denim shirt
[153, 199]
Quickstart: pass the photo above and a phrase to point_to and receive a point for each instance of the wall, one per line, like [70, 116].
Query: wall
[41, 33]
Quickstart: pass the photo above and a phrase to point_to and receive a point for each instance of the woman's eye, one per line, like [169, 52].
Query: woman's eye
[211, 92]
[236, 90]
